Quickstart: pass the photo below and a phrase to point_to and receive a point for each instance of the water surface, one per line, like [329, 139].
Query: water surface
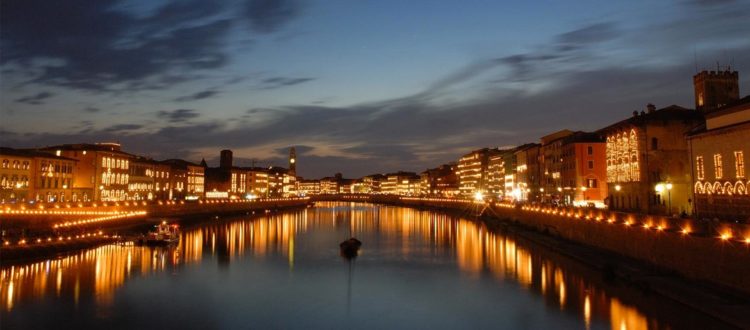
[417, 269]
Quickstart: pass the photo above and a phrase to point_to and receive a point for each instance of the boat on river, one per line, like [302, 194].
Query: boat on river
[350, 248]
[164, 234]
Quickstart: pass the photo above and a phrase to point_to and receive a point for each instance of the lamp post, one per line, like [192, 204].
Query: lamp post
[659, 188]
[669, 194]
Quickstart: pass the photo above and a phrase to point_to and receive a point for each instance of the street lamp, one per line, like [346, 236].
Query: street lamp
[669, 194]
[659, 188]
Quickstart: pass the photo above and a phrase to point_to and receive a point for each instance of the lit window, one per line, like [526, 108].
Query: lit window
[718, 170]
[699, 167]
[739, 164]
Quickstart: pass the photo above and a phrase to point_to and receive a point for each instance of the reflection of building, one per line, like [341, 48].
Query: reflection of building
[647, 153]
[27, 175]
[102, 168]
[718, 154]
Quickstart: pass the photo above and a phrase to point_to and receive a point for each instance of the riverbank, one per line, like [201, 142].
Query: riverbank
[57, 232]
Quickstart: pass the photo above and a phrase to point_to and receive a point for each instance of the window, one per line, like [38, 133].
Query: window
[739, 164]
[5, 163]
[590, 150]
[591, 183]
[654, 143]
[699, 167]
[591, 164]
[718, 170]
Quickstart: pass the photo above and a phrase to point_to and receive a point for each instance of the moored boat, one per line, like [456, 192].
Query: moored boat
[164, 234]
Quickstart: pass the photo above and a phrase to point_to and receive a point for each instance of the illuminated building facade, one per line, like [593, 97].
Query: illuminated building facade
[372, 183]
[187, 179]
[257, 181]
[101, 168]
[472, 172]
[528, 173]
[330, 185]
[647, 153]
[27, 175]
[719, 154]
[281, 183]
[309, 187]
[141, 180]
[441, 181]
[551, 161]
[401, 183]
[496, 175]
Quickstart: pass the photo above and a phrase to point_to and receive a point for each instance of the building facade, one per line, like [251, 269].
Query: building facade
[719, 154]
[648, 169]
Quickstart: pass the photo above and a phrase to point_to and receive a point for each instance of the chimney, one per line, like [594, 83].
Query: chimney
[651, 108]
[635, 113]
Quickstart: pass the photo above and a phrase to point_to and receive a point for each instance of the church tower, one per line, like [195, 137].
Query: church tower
[292, 162]
[714, 89]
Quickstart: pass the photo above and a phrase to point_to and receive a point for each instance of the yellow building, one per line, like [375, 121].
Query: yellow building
[719, 154]
[648, 169]
[27, 175]
[102, 168]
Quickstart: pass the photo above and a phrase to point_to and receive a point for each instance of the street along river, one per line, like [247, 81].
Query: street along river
[415, 269]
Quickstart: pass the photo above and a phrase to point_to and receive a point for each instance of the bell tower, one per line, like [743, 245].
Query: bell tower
[292, 161]
[714, 89]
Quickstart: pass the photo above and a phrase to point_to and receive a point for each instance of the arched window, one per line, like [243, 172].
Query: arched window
[718, 188]
[728, 188]
[699, 188]
[739, 188]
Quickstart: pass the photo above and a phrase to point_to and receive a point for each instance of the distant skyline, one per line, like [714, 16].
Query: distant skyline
[358, 87]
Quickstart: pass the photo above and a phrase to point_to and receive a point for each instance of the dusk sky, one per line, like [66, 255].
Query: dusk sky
[359, 87]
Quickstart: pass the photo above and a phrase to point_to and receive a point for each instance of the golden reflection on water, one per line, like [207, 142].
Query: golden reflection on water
[101, 271]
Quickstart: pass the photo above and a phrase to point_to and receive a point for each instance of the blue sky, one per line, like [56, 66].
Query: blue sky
[358, 86]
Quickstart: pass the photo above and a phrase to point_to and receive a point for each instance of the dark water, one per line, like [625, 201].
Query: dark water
[417, 269]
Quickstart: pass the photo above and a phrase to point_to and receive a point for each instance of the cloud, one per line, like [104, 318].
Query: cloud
[98, 45]
[36, 99]
[178, 116]
[267, 16]
[279, 82]
[92, 109]
[708, 3]
[589, 34]
[197, 96]
[121, 128]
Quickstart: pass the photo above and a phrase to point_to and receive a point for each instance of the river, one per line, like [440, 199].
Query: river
[416, 269]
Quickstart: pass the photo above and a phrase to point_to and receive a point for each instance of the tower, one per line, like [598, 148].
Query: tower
[292, 162]
[714, 89]
[225, 162]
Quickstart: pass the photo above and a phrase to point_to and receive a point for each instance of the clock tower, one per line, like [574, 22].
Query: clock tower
[292, 162]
